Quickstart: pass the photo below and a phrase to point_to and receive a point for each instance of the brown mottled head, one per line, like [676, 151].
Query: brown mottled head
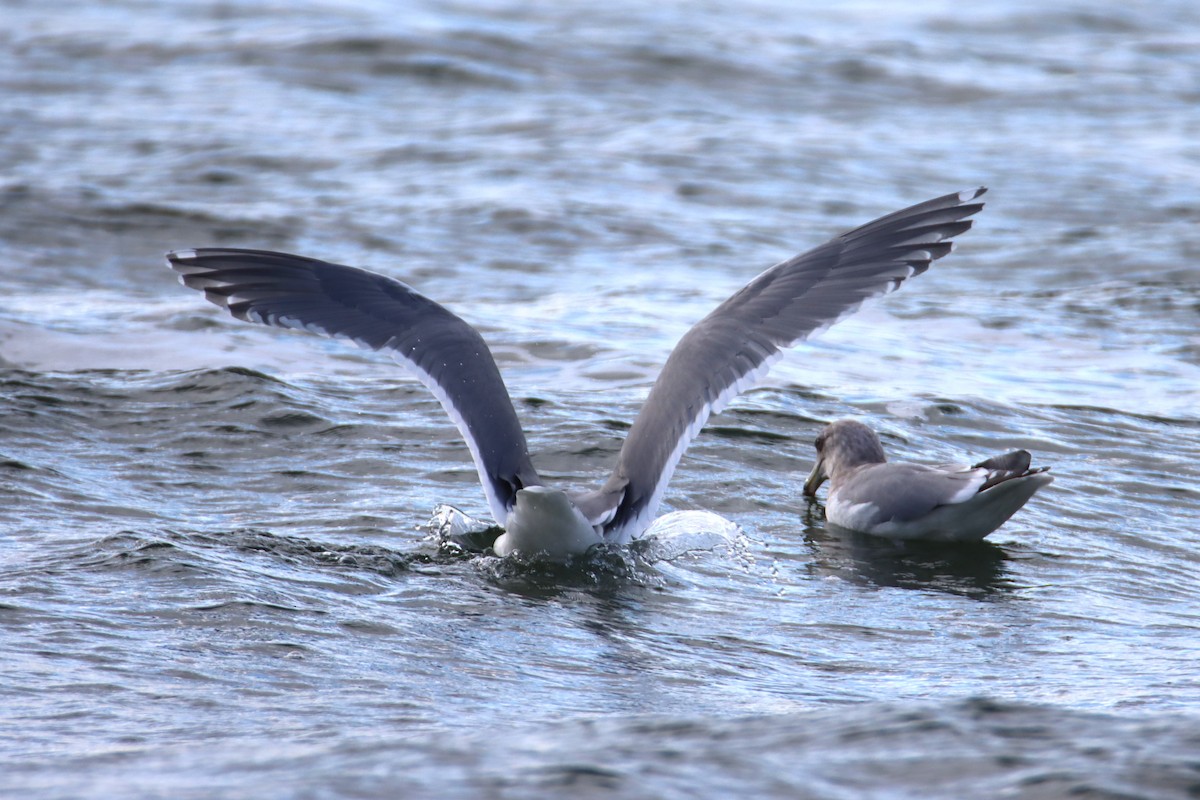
[842, 445]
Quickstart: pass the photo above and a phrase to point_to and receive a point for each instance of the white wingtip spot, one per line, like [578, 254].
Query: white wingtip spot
[182, 255]
[929, 237]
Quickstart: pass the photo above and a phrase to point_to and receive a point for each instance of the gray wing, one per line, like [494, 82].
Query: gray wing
[379, 313]
[1016, 461]
[733, 347]
[905, 492]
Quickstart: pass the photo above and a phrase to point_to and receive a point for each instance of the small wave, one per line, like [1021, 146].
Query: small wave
[305, 552]
[465, 60]
[680, 532]
[975, 747]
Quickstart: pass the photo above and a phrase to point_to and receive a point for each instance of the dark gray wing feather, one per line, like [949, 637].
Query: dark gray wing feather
[731, 348]
[377, 312]
[1008, 466]
[1016, 461]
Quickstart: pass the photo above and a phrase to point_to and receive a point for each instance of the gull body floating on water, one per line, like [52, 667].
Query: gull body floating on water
[911, 501]
[720, 357]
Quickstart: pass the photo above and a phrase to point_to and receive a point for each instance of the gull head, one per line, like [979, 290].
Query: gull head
[841, 446]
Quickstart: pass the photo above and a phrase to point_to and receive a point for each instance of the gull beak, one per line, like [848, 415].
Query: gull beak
[815, 478]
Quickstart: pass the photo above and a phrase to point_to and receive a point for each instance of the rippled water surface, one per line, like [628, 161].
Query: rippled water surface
[218, 577]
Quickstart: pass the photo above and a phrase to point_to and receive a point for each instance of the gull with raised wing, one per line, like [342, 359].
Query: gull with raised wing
[869, 494]
[720, 357]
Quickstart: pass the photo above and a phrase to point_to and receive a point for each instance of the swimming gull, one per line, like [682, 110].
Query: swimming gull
[912, 501]
[721, 356]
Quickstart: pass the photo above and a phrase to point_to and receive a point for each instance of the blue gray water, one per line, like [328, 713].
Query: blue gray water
[216, 578]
